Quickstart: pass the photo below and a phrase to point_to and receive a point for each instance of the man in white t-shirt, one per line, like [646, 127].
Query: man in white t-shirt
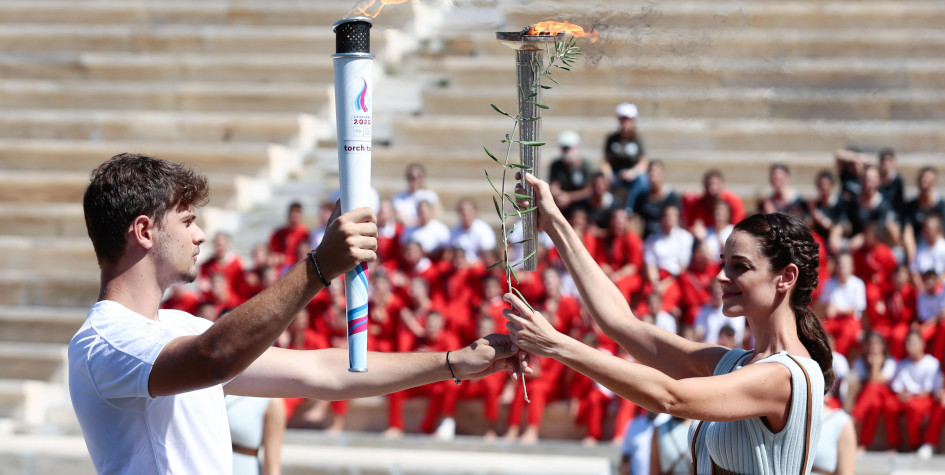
[405, 202]
[471, 234]
[147, 385]
[429, 232]
[917, 377]
[843, 299]
[667, 252]
[930, 251]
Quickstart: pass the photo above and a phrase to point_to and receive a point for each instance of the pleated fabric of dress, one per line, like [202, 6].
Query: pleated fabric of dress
[747, 446]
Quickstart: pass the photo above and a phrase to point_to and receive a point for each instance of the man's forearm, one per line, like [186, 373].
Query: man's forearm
[323, 374]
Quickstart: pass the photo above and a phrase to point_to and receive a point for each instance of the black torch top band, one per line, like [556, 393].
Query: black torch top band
[352, 35]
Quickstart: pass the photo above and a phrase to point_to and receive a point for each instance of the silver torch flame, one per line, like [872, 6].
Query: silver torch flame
[354, 66]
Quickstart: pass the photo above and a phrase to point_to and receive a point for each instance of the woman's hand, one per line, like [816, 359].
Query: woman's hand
[529, 330]
[544, 201]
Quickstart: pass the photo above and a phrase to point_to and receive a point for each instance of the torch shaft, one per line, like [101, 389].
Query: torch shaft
[528, 71]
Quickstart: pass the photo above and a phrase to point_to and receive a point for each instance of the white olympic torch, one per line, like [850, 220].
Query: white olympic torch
[353, 95]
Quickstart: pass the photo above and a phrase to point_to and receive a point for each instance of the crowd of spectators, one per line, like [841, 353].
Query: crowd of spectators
[880, 296]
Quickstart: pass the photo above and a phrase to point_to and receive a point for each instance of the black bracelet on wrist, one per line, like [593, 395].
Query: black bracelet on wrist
[455, 379]
[311, 255]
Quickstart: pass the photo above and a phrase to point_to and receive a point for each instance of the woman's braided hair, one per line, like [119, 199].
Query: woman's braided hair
[784, 240]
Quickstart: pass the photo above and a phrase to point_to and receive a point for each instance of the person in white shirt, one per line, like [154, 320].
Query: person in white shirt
[637, 446]
[711, 320]
[843, 300]
[147, 385]
[918, 376]
[430, 233]
[471, 234]
[666, 253]
[930, 312]
[930, 251]
[405, 202]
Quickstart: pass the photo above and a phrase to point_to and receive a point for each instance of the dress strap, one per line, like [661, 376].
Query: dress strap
[808, 421]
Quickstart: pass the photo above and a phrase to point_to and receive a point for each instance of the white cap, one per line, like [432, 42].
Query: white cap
[627, 110]
[569, 138]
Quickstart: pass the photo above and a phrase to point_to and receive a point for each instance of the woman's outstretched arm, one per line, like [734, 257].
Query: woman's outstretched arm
[648, 344]
[757, 390]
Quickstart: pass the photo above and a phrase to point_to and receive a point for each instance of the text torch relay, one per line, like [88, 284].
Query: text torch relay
[353, 94]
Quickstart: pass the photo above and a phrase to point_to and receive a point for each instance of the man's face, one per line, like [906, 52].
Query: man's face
[178, 241]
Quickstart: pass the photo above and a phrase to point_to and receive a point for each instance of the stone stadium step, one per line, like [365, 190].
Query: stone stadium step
[734, 43]
[863, 15]
[163, 38]
[735, 103]
[703, 72]
[42, 219]
[447, 132]
[40, 324]
[31, 252]
[49, 287]
[32, 187]
[214, 12]
[84, 155]
[164, 96]
[31, 360]
[125, 66]
[170, 126]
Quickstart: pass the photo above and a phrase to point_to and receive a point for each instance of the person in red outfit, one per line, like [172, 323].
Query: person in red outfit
[413, 263]
[592, 399]
[486, 389]
[462, 283]
[700, 210]
[930, 313]
[874, 263]
[892, 317]
[441, 396]
[875, 401]
[285, 240]
[224, 262]
[384, 314]
[389, 232]
[691, 290]
[182, 298]
[543, 387]
[412, 317]
[918, 377]
[620, 255]
[936, 421]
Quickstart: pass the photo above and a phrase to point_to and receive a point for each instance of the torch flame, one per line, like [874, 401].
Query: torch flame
[372, 8]
[554, 27]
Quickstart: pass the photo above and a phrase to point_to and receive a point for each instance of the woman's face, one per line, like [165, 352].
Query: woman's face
[748, 285]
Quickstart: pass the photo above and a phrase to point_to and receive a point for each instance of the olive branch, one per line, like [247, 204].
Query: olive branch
[561, 55]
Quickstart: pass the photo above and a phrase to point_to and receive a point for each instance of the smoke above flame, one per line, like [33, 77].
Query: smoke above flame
[555, 27]
[372, 8]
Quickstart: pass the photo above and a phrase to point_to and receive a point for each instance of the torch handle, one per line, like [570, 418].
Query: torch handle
[528, 70]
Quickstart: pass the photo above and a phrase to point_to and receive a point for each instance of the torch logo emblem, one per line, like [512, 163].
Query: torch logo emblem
[360, 102]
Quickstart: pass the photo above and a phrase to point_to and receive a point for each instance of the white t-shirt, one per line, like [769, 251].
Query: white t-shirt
[670, 252]
[431, 237]
[849, 297]
[923, 376]
[405, 204]
[928, 306]
[929, 257]
[711, 320]
[863, 372]
[126, 430]
[479, 237]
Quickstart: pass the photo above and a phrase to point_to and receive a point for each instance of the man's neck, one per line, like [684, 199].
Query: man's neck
[133, 289]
